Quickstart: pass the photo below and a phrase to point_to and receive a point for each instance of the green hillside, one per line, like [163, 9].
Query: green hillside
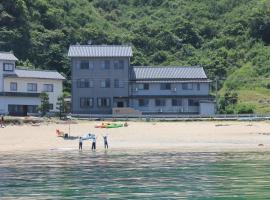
[226, 37]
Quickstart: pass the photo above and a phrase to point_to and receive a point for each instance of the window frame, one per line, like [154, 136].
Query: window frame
[105, 83]
[163, 86]
[145, 104]
[84, 62]
[187, 86]
[162, 102]
[193, 102]
[32, 90]
[90, 103]
[8, 64]
[179, 102]
[44, 86]
[13, 83]
[100, 102]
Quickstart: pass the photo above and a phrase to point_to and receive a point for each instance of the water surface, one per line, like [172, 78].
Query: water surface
[134, 175]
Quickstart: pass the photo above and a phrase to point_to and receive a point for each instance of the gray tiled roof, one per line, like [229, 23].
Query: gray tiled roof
[43, 74]
[99, 51]
[170, 72]
[7, 56]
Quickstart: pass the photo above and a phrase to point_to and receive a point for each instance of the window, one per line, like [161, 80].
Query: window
[86, 102]
[13, 86]
[31, 87]
[9, 67]
[104, 102]
[50, 106]
[48, 87]
[176, 102]
[118, 64]
[85, 83]
[144, 86]
[192, 102]
[105, 64]
[106, 83]
[143, 102]
[160, 102]
[165, 86]
[118, 83]
[198, 86]
[84, 65]
[187, 86]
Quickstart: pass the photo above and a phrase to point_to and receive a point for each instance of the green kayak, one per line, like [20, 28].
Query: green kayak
[114, 125]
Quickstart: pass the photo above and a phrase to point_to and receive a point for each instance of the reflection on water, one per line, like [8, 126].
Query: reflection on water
[129, 175]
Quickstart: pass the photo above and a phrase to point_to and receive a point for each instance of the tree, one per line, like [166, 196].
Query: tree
[45, 104]
[62, 105]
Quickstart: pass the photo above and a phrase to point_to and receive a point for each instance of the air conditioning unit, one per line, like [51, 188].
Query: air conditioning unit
[174, 89]
[136, 89]
[160, 110]
[181, 110]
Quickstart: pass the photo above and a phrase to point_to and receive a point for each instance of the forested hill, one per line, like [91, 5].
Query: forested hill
[227, 37]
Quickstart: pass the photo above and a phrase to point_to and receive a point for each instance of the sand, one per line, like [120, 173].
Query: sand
[182, 136]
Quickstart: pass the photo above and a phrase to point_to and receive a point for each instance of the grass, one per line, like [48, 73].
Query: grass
[259, 97]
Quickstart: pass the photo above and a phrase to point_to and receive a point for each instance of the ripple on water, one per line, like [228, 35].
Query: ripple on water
[144, 175]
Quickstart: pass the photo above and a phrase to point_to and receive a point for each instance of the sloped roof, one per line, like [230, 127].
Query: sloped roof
[99, 51]
[42, 74]
[168, 72]
[7, 56]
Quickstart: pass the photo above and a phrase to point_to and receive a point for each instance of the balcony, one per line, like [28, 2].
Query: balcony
[19, 94]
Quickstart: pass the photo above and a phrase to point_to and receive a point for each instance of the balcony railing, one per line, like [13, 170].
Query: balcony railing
[19, 94]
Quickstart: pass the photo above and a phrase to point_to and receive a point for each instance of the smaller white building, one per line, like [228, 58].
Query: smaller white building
[20, 88]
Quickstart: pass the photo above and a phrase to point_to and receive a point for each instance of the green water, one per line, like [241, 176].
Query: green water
[131, 175]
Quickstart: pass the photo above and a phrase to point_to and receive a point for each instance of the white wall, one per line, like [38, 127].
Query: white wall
[22, 87]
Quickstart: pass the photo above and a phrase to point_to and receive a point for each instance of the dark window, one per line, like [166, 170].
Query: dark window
[119, 64]
[84, 83]
[104, 102]
[165, 86]
[8, 67]
[116, 83]
[176, 102]
[198, 86]
[31, 87]
[50, 106]
[105, 64]
[143, 102]
[32, 109]
[192, 102]
[86, 102]
[160, 102]
[106, 83]
[48, 87]
[84, 65]
[13, 86]
[187, 86]
[144, 86]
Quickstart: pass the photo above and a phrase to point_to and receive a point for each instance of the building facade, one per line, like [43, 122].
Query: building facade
[100, 76]
[20, 88]
[102, 79]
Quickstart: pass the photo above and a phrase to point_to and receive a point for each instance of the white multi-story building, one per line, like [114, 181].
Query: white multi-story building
[20, 88]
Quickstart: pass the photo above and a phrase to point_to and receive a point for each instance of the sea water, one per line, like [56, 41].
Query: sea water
[134, 175]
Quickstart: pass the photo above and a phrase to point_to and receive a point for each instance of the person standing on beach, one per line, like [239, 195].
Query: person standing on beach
[94, 143]
[2, 121]
[80, 143]
[106, 146]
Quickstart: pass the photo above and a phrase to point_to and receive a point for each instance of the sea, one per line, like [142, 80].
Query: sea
[134, 174]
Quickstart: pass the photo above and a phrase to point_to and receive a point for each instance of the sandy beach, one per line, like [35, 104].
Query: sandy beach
[184, 136]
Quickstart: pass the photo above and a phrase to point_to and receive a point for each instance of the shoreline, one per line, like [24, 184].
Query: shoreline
[229, 136]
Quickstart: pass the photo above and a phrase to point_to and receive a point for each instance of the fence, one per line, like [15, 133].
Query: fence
[173, 117]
